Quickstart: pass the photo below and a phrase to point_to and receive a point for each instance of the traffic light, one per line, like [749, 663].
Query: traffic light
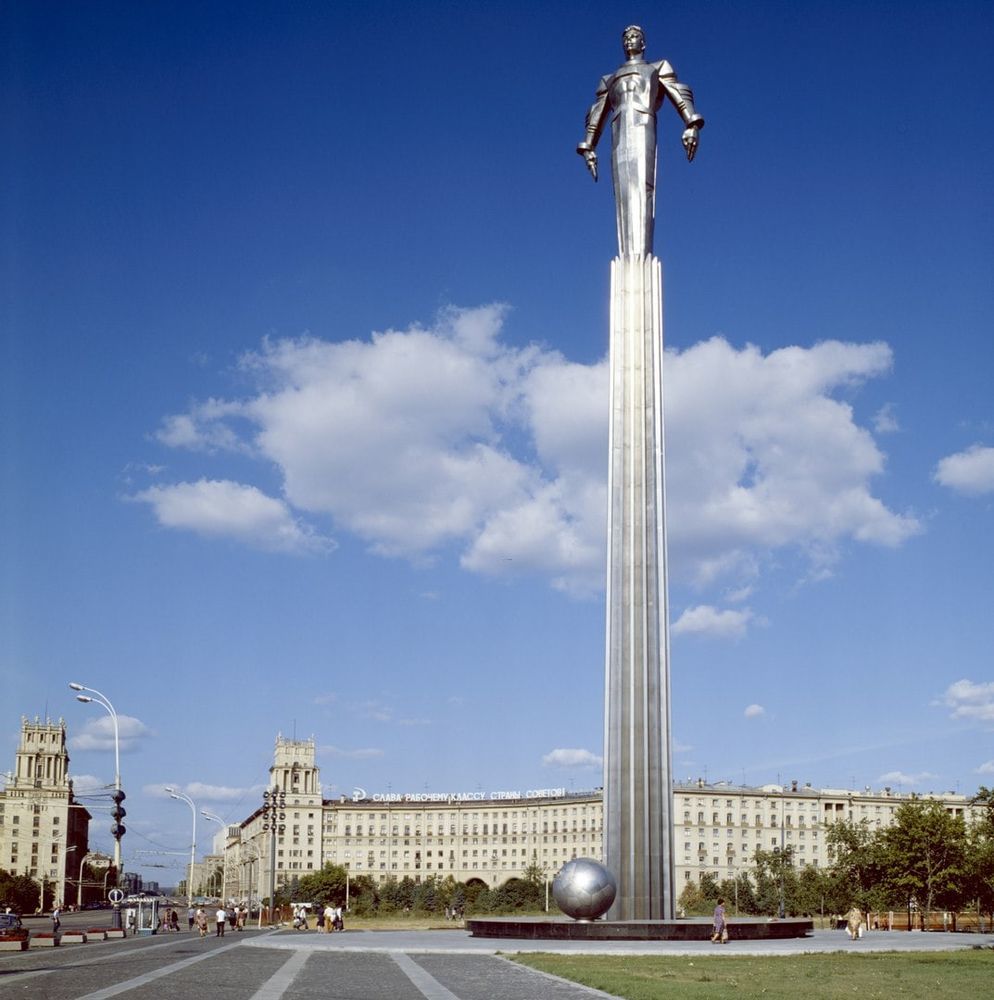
[118, 812]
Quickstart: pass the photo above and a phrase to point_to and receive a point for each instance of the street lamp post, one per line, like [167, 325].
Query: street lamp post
[254, 856]
[79, 883]
[59, 882]
[224, 854]
[175, 793]
[118, 812]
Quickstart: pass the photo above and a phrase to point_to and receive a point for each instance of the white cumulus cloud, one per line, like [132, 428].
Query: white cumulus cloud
[901, 778]
[970, 472]
[98, 734]
[441, 438]
[754, 711]
[198, 791]
[708, 620]
[970, 701]
[986, 768]
[885, 421]
[572, 758]
[221, 508]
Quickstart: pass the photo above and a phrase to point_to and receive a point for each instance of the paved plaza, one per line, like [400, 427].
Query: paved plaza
[368, 965]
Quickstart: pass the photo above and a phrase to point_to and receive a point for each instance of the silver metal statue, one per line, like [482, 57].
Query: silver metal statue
[631, 96]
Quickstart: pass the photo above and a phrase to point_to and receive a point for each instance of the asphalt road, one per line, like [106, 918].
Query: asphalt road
[244, 967]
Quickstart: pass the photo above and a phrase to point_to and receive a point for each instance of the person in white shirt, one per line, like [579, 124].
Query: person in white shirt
[222, 918]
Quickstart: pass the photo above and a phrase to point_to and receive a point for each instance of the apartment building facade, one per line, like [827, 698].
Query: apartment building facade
[495, 836]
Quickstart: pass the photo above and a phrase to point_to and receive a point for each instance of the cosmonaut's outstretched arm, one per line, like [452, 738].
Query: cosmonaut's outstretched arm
[683, 100]
[596, 117]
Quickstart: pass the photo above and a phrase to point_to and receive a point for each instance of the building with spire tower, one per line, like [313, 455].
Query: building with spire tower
[43, 829]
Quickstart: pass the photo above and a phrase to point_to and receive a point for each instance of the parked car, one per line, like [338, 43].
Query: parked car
[9, 922]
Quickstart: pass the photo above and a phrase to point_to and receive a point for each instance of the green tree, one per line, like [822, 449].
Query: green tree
[776, 881]
[980, 853]
[691, 900]
[740, 894]
[19, 892]
[535, 874]
[395, 896]
[323, 887]
[924, 855]
[813, 889]
[984, 799]
[856, 875]
[709, 888]
[363, 896]
[426, 897]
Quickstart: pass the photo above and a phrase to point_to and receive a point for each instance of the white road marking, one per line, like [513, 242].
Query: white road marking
[278, 984]
[150, 977]
[16, 977]
[427, 985]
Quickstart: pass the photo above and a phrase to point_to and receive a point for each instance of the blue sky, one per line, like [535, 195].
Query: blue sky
[303, 426]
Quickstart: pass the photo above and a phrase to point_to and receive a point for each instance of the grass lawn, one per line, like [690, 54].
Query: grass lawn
[929, 976]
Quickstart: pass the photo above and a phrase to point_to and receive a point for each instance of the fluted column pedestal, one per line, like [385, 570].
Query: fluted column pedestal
[638, 847]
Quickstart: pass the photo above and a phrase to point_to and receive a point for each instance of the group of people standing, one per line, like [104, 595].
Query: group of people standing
[330, 919]
[234, 918]
[224, 917]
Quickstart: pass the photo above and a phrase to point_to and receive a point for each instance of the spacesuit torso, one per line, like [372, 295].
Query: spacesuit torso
[636, 86]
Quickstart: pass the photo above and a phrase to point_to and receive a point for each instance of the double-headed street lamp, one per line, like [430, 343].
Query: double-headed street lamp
[175, 793]
[59, 881]
[224, 852]
[79, 883]
[118, 812]
[256, 855]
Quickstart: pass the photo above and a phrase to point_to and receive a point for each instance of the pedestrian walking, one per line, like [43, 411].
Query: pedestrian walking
[720, 928]
[191, 916]
[221, 918]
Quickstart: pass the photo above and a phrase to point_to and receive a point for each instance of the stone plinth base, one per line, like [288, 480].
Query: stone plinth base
[96, 934]
[539, 929]
[74, 937]
[45, 941]
[114, 932]
[20, 945]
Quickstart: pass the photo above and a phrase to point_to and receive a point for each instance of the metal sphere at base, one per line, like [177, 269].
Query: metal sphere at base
[584, 889]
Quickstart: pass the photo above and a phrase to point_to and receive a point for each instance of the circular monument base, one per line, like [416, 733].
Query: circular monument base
[564, 929]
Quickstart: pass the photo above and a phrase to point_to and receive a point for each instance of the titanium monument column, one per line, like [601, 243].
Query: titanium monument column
[638, 829]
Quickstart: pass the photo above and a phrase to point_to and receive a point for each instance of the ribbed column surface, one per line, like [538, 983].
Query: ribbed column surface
[637, 829]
